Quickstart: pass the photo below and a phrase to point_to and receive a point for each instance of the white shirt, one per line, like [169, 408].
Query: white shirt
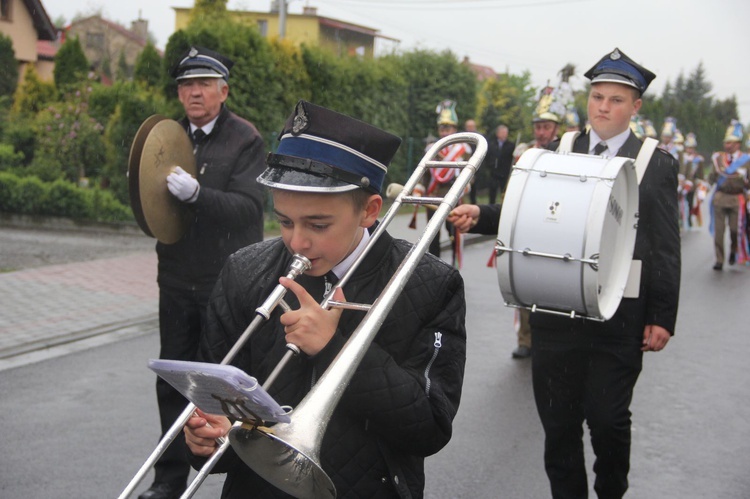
[207, 128]
[613, 144]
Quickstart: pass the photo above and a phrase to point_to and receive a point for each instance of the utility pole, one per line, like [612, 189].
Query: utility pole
[282, 19]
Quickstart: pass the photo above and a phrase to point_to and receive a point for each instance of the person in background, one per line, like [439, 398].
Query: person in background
[693, 170]
[585, 370]
[546, 128]
[498, 162]
[441, 179]
[730, 175]
[226, 203]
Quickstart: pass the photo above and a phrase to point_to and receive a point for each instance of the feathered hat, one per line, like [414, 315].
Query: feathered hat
[735, 132]
[446, 112]
[669, 128]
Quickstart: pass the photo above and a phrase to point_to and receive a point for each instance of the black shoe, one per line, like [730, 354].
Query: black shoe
[717, 266]
[732, 258]
[161, 490]
[521, 352]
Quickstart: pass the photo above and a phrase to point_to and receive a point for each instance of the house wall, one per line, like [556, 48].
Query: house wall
[100, 41]
[21, 30]
[299, 29]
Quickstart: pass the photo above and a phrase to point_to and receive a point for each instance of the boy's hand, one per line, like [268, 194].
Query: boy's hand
[202, 430]
[310, 327]
[464, 216]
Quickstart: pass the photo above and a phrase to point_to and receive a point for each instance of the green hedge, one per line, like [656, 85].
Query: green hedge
[31, 196]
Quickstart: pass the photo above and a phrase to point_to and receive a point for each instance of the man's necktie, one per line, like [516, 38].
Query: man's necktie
[600, 148]
[198, 136]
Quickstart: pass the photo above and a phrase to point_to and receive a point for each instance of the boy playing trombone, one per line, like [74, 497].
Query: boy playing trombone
[325, 179]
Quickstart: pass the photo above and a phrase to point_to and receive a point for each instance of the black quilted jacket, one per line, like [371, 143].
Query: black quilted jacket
[401, 401]
[229, 209]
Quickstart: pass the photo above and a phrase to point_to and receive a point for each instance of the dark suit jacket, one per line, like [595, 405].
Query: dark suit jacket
[657, 245]
[499, 159]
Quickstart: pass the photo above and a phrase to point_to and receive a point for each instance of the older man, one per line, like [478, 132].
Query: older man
[226, 203]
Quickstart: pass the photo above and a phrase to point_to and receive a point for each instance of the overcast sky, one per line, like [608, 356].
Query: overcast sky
[541, 36]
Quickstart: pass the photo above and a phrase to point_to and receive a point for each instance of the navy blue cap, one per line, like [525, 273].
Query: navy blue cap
[200, 62]
[326, 152]
[616, 67]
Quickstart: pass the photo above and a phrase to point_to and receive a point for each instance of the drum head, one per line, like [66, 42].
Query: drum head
[159, 145]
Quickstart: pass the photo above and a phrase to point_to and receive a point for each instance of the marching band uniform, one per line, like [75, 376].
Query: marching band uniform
[546, 125]
[400, 403]
[587, 370]
[441, 179]
[728, 200]
[692, 169]
[227, 205]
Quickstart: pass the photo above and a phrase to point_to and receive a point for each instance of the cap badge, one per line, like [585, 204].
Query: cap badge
[615, 55]
[193, 52]
[300, 122]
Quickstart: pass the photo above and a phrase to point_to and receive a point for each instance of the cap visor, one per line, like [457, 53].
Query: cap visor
[199, 73]
[614, 78]
[289, 179]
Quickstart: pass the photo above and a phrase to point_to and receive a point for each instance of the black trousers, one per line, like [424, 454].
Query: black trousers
[496, 186]
[577, 377]
[182, 314]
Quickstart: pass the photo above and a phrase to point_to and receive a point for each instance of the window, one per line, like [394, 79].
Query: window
[5, 10]
[95, 40]
[263, 27]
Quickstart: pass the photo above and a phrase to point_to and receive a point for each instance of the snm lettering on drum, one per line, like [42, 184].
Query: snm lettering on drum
[615, 209]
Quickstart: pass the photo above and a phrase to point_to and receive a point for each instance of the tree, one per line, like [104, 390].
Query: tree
[506, 100]
[123, 72]
[9, 75]
[148, 67]
[215, 10]
[71, 66]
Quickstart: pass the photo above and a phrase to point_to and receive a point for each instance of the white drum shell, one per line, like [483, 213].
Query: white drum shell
[574, 206]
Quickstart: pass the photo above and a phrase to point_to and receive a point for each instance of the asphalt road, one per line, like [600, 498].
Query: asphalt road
[79, 425]
[23, 247]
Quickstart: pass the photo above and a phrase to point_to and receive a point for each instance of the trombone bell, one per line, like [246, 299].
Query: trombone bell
[280, 463]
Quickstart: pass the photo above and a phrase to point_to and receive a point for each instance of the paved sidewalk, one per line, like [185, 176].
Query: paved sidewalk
[49, 306]
[58, 305]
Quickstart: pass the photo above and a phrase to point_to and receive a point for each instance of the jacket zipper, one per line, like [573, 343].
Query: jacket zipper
[436, 344]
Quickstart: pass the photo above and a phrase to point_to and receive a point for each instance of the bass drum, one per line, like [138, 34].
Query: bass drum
[566, 234]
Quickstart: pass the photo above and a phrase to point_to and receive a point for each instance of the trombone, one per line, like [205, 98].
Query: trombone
[298, 266]
[288, 458]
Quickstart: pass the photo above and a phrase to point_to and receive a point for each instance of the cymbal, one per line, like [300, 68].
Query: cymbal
[159, 146]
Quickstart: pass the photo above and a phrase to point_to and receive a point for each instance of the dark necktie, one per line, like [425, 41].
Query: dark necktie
[600, 148]
[198, 136]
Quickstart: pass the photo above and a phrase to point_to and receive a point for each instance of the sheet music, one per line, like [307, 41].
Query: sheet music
[220, 389]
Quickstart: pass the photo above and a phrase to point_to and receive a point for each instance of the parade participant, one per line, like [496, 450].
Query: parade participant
[649, 129]
[546, 127]
[227, 205]
[572, 120]
[498, 162]
[441, 179]
[668, 133]
[586, 370]
[728, 201]
[636, 126]
[692, 169]
[325, 180]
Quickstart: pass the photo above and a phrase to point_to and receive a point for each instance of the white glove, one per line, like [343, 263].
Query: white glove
[183, 186]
